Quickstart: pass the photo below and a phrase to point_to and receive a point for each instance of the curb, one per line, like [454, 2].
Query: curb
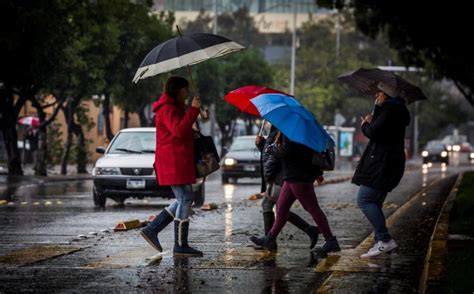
[434, 261]
[38, 180]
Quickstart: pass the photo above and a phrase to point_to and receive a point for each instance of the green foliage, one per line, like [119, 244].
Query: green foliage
[31, 44]
[465, 196]
[217, 77]
[318, 65]
[83, 118]
[140, 31]
[431, 40]
[55, 147]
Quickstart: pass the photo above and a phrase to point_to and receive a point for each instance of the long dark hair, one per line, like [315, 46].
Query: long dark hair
[174, 84]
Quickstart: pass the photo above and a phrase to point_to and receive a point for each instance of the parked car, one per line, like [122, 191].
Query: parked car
[126, 169]
[435, 151]
[242, 160]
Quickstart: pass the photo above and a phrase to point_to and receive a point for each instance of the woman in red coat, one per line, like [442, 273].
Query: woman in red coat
[174, 163]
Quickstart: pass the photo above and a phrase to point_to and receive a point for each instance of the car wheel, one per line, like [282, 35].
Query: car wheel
[120, 200]
[200, 195]
[225, 179]
[99, 198]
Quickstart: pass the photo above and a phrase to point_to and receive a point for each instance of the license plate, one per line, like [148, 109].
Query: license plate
[249, 168]
[135, 184]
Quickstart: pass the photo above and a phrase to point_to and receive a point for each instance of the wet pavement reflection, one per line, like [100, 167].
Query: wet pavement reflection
[60, 212]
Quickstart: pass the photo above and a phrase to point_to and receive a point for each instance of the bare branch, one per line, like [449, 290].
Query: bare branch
[466, 93]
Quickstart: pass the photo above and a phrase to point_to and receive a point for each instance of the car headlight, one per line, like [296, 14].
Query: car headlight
[456, 148]
[106, 171]
[471, 155]
[449, 147]
[424, 153]
[444, 154]
[230, 161]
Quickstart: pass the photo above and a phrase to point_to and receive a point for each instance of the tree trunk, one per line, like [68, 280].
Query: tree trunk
[126, 117]
[227, 131]
[106, 114]
[73, 128]
[41, 165]
[81, 155]
[9, 118]
[42, 152]
[68, 115]
[65, 156]
[141, 114]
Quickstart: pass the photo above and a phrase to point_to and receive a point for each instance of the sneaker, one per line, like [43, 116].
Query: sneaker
[379, 248]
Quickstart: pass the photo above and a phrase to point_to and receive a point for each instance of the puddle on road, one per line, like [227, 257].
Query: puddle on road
[239, 258]
[228, 195]
[35, 254]
[138, 256]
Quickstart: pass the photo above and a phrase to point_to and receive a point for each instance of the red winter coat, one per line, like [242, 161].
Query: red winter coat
[174, 155]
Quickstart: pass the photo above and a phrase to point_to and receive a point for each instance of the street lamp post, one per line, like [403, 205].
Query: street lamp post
[214, 28]
[293, 53]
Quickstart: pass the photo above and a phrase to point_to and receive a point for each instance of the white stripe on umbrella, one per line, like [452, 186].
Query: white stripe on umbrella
[187, 59]
[29, 121]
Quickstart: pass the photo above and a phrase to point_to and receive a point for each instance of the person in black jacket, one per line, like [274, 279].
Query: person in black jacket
[272, 179]
[299, 175]
[383, 162]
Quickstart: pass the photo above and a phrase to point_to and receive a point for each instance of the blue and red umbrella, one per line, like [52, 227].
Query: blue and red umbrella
[240, 97]
[284, 112]
[293, 120]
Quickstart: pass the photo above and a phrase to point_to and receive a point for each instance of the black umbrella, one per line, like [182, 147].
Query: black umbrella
[369, 81]
[184, 51]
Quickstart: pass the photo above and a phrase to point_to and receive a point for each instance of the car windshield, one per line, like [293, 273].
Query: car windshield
[133, 142]
[241, 144]
[435, 146]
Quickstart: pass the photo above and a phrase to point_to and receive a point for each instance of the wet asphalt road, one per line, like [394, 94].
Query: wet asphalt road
[41, 249]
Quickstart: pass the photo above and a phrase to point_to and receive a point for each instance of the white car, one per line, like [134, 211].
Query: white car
[126, 169]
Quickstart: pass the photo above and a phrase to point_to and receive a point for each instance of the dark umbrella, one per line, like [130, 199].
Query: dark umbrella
[184, 51]
[369, 81]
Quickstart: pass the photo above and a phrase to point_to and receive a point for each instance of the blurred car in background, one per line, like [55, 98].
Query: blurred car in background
[242, 160]
[126, 169]
[435, 151]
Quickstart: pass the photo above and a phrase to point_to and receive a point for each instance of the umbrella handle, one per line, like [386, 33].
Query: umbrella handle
[261, 128]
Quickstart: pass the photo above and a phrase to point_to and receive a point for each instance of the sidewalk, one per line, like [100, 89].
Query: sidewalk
[54, 175]
[411, 226]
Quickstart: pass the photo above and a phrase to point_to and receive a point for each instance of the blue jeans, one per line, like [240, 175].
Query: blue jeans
[184, 198]
[370, 201]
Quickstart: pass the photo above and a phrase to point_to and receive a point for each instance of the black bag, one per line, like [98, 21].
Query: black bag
[324, 160]
[205, 155]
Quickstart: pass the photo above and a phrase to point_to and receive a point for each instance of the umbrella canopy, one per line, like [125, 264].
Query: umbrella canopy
[240, 97]
[29, 121]
[369, 81]
[293, 120]
[182, 51]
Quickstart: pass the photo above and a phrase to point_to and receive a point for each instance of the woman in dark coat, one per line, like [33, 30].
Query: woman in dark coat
[383, 162]
[174, 163]
[299, 175]
[273, 179]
